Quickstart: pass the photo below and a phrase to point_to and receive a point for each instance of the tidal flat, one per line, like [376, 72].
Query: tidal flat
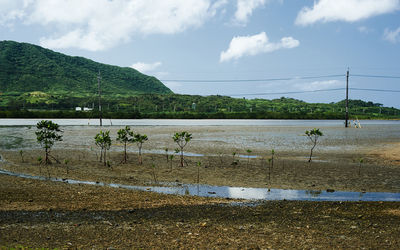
[47, 214]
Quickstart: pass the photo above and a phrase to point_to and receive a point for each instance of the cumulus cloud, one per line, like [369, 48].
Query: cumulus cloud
[245, 9]
[392, 36]
[146, 67]
[252, 45]
[101, 24]
[10, 10]
[318, 85]
[345, 10]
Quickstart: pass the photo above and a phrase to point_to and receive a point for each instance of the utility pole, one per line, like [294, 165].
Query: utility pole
[347, 99]
[100, 111]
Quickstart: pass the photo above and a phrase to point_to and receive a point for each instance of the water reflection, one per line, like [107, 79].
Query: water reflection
[236, 192]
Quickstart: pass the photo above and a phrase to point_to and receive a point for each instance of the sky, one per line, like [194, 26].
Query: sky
[241, 48]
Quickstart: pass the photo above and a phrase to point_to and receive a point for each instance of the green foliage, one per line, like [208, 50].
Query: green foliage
[360, 161]
[182, 140]
[27, 68]
[103, 140]
[125, 136]
[47, 134]
[313, 135]
[140, 139]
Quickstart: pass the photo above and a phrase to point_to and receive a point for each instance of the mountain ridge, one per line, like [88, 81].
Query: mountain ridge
[26, 67]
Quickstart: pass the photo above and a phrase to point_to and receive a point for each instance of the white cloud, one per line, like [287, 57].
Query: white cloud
[146, 67]
[392, 36]
[318, 85]
[345, 10]
[252, 45]
[364, 30]
[10, 11]
[245, 9]
[101, 24]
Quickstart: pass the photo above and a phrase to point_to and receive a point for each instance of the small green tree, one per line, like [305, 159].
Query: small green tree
[248, 156]
[47, 134]
[125, 136]
[360, 162]
[166, 153]
[182, 140]
[21, 153]
[313, 135]
[103, 140]
[140, 139]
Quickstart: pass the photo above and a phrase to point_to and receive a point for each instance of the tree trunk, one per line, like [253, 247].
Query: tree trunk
[47, 156]
[311, 152]
[125, 158]
[181, 157]
[105, 156]
[140, 155]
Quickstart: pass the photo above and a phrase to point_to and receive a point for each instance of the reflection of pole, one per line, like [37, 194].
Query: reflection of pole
[100, 111]
[347, 99]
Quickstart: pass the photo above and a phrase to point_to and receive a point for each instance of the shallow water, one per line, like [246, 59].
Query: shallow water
[281, 135]
[258, 194]
[194, 122]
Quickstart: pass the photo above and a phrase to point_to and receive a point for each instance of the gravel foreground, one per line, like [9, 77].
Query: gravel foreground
[43, 214]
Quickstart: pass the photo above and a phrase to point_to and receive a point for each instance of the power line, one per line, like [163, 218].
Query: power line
[318, 90]
[377, 90]
[376, 76]
[252, 80]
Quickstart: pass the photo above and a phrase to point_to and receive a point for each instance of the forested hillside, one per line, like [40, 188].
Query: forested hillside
[27, 68]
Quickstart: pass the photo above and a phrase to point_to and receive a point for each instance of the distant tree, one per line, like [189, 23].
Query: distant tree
[103, 140]
[182, 140]
[125, 136]
[313, 135]
[140, 139]
[47, 134]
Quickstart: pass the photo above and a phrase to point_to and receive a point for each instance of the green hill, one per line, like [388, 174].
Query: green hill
[26, 68]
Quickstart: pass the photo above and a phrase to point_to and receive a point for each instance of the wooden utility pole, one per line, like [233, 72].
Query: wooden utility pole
[347, 100]
[100, 111]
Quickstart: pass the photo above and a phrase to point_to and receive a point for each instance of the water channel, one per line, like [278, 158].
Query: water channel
[255, 194]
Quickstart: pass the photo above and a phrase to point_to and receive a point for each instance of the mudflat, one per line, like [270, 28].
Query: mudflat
[47, 214]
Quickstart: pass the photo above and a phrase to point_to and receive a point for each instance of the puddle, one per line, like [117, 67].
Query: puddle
[256, 194]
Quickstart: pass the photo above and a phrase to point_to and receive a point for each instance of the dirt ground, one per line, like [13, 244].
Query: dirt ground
[42, 214]
[37, 214]
[337, 171]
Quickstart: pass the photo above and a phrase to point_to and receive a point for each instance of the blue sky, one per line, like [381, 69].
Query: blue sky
[227, 40]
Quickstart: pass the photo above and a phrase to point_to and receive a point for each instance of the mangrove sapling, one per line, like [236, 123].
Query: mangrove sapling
[182, 140]
[198, 171]
[220, 157]
[313, 135]
[272, 158]
[153, 167]
[171, 157]
[140, 139]
[40, 161]
[269, 173]
[66, 161]
[248, 156]
[21, 153]
[103, 140]
[47, 134]
[125, 136]
[166, 154]
[234, 162]
[360, 161]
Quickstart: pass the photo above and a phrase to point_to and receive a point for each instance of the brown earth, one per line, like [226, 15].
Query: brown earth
[290, 171]
[58, 215]
[43, 214]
